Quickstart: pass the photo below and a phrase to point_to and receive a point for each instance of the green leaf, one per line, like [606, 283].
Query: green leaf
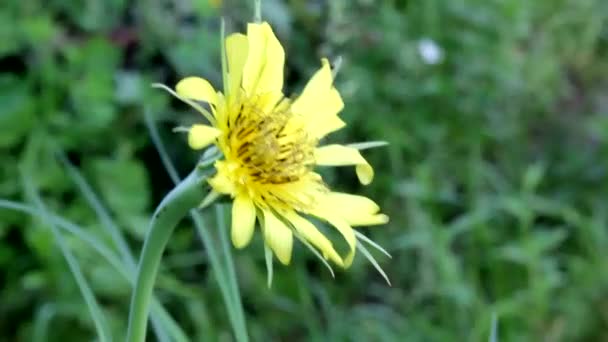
[123, 184]
[16, 116]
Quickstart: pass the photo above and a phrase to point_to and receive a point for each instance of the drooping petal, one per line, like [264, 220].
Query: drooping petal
[201, 136]
[342, 227]
[355, 210]
[339, 155]
[309, 232]
[278, 236]
[237, 49]
[243, 221]
[370, 220]
[320, 103]
[196, 88]
[263, 70]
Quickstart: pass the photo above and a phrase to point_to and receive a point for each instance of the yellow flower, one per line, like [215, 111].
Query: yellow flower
[269, 143]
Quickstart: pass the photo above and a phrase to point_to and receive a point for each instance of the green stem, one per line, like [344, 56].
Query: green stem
[185, 196]
[232, 299]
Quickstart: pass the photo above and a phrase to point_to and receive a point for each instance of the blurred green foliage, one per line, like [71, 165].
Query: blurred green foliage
[495, 177]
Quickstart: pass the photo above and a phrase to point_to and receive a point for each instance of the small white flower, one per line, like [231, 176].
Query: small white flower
[429, 51]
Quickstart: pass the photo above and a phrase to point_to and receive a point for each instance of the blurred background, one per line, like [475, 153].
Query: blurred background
[496, 112]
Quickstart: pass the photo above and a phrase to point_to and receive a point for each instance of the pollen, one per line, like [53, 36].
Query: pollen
[271, 145]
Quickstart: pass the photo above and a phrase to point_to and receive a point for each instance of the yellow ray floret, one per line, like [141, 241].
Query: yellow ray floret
[270, 150]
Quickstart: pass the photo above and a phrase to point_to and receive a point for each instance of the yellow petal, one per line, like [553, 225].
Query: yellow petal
[309, 232]
[320, 103]
[355, 210]
[324, 125]
[342, 227]
[243, 221]
[320, 82]
[221, 182]
[278, 237]
[196, 88]
[339, 155]
[200, 136]
[263, 70]
[349, 202]
[319, 93]
[237, 49]
[371, 220]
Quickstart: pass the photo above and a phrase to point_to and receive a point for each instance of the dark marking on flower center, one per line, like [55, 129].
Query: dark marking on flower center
[274, 147]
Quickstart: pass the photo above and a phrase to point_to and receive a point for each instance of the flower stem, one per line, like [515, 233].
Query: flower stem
[185, 196]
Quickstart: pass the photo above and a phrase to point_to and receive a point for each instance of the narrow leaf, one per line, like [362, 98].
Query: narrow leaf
[115, 233]
[315, 252]
[373, 261]
[494, 328]
[268, 258]
[223, 230]
[94, 309]
[372, 243]
[174, 330]
[367, 145]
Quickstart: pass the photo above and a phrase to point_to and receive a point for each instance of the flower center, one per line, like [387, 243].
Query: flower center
[271, 144]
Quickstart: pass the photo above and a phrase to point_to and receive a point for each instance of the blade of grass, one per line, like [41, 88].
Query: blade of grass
[71, 228]
[230, 294]
[43, 321]
[493, 328]
[218, 270]
[97, 315]
[160, 147]
[115, 233]
[101, 212]
[174, 330]
[220, 212]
